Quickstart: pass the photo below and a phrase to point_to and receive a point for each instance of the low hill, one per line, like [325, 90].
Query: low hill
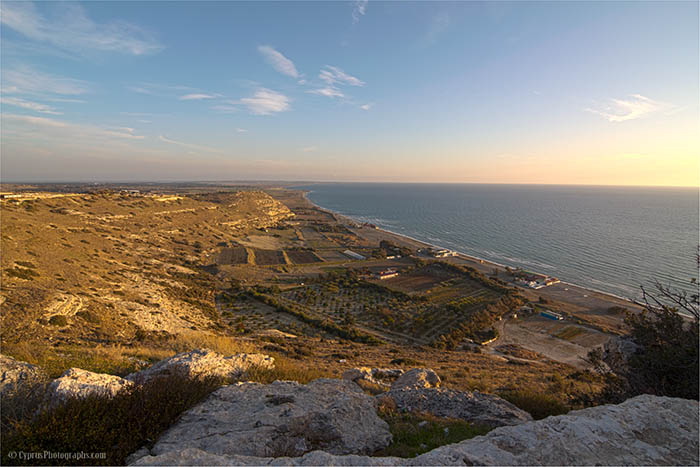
[109, 267]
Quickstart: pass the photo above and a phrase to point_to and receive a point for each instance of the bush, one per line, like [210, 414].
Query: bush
[415, 433]
[58, 320]
[665, 362]
[537, 404]
[115, 426]
[22, 273]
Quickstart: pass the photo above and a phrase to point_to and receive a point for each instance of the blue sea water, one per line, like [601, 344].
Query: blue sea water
[611, 239]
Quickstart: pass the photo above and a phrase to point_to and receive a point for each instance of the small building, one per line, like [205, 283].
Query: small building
[441, 252]
[387, 274]
[353, 255]
[551, 315]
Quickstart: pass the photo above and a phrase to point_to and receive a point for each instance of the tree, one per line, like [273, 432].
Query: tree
[664, 343]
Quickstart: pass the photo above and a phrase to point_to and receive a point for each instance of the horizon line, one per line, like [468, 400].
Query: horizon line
[300, 182]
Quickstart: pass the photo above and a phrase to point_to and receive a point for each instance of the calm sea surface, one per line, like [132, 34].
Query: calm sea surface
[611, 239]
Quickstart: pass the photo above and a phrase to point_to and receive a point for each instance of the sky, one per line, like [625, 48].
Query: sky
[602, 93]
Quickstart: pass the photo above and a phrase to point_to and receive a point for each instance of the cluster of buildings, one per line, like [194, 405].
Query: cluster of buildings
[533, 280]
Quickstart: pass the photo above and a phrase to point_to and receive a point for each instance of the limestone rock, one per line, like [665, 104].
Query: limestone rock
[417, 378]
[372, 375]
[77, 383]
[15, 374]
[282, 418]
[645, 430]
[474, 407]
[202, 363]
[191, 456]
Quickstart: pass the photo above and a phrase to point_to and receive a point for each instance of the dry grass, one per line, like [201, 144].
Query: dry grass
[286, 370]
[118, 359]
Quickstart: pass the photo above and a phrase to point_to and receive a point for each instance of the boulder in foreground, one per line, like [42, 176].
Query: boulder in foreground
[281, 419]
[645, 430]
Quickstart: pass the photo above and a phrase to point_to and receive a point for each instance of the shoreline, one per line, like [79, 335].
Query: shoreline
[470, 258]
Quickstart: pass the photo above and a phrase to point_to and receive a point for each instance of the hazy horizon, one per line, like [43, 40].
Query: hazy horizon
[601, 94]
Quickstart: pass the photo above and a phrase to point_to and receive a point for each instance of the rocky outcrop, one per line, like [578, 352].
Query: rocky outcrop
[645, 430]
[77, 383]
[474, 407]
[280, 419]
[417, 391]
[202, 363]
[15, 374]
[376, 376]
[417, 378]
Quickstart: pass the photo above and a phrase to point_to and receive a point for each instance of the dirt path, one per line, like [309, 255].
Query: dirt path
[511, 332]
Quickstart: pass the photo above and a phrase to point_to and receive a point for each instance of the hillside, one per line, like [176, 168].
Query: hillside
[110, 267]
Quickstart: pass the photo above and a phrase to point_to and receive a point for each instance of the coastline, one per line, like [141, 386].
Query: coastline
[475, 261]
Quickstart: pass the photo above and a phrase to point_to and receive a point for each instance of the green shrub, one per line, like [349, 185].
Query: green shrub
[537, 404]
[89, 316]
[22, 273]
[115, 426]
[415, 433]
[58, 320]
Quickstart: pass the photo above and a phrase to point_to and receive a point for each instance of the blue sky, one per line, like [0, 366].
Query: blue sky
[497, 92]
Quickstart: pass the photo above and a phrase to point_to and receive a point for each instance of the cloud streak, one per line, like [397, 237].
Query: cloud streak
[266, 102]
[69, 130]
[70, 28]
[328, 91]
[334, 75]
[27, 80]
[197, 96]
[358, 10]
[194, 147]
[278, 61]
[634, 107]
[35, 106]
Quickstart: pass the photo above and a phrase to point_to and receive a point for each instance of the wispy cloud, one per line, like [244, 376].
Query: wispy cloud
[634, 107]
[198, 96]
[241, 130]
[228, 107]
[328, 91]
[39, 121]
[35, 106]
[27, 80]
[334, 75]
[278, 61]
[69, 28]
[367, 106]
[266, 102]
[72, 130]
[309, 149]
[359, 8]
[438, 24]
[194, 147]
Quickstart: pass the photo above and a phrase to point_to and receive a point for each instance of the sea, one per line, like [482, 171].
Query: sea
[609, 239]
